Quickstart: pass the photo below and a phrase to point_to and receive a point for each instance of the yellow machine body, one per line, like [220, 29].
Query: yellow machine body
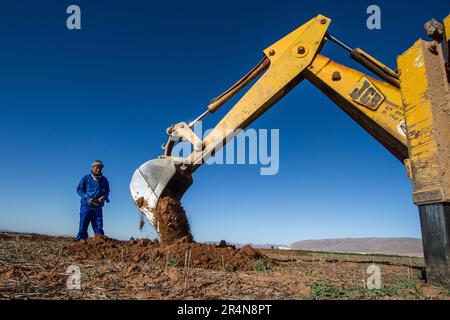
[407, 111]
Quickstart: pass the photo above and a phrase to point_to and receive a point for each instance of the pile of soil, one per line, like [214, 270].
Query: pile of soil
[171, 221]
[181, 253]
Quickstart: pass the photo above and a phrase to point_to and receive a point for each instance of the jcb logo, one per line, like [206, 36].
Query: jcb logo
[366, 94]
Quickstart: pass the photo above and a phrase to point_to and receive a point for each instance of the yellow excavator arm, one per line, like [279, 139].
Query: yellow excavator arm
[403, 116]
[376, 105]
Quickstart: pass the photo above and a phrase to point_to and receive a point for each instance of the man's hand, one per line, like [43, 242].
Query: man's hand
[101, 199]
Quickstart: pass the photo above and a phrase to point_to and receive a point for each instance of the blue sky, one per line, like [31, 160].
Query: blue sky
[110, 90]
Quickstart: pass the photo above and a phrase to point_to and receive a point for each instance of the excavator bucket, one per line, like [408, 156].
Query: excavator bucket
[154, 179]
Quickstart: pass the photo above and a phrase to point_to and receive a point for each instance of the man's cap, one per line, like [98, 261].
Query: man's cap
[97, 163]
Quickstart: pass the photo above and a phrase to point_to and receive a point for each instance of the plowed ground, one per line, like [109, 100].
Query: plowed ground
[34, 266]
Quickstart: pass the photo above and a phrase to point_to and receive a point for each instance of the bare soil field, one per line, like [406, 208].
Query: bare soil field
[36, 267]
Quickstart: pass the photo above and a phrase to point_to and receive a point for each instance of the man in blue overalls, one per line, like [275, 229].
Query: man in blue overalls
[94, 191]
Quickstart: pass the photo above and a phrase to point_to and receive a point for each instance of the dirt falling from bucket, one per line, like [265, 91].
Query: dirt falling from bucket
[141, 223]
[171, 221]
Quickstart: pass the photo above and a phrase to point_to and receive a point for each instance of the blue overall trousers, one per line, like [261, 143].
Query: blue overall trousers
[93, 215]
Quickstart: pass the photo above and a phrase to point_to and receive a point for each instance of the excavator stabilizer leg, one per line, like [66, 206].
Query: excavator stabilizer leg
[426, 101]
[435, 223]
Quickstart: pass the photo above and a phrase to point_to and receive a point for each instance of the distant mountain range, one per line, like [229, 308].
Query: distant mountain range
[397, 246]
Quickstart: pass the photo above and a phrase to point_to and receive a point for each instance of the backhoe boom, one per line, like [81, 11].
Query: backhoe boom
[407, 111]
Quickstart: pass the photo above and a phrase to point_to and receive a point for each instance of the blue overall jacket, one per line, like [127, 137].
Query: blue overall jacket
[92, 189]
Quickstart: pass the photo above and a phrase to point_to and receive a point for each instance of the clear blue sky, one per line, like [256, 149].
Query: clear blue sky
[110, 90]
